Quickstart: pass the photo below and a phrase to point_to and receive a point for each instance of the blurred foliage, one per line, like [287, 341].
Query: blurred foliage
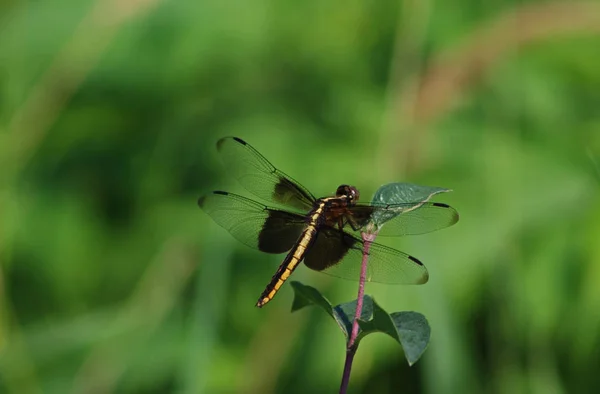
[112, 280]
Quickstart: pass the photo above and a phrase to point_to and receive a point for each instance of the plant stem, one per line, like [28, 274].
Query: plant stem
[351, 349]
[350, 352]
[368, 238]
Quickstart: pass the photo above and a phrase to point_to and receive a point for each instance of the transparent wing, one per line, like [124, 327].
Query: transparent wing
[339, 254]
[260, 177]
[403, 219]
[256, 225]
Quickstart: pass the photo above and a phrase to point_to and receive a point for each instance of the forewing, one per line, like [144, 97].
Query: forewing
[260, 177]
[267, 229]
[340, 254]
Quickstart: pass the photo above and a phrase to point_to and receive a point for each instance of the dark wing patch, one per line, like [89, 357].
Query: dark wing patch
[339, 254]
[260, 177]
[329, 247]
[280, 231]
[260, 227]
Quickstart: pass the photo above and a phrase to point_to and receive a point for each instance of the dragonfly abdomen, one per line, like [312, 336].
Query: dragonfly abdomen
[294, 257]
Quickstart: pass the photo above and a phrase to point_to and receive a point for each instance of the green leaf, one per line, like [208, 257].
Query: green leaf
[408, 194]
[307, 295]
[409, 329]
[414, 333]
[400, 193]
[343, 314]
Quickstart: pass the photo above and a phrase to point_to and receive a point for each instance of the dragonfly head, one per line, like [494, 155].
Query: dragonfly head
[348, 191]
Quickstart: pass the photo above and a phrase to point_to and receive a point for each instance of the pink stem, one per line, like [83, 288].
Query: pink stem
[351, 349]
[350, 352]
[368, 238]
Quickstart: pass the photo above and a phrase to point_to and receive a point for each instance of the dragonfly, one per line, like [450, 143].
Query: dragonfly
[324, 233]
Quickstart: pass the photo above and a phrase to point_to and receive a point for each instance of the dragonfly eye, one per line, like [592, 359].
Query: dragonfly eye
[342, 190]
[349, 191]
[354, 193]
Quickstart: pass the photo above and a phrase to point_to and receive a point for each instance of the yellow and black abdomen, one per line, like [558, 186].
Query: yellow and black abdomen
[294, 257]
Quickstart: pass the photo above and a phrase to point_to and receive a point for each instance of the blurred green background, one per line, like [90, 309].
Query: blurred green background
[113, 281]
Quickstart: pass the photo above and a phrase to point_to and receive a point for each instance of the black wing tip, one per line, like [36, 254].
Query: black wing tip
[221, 141]
[425, 277]
[415, 260]
[442, 205]
[204, 197]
